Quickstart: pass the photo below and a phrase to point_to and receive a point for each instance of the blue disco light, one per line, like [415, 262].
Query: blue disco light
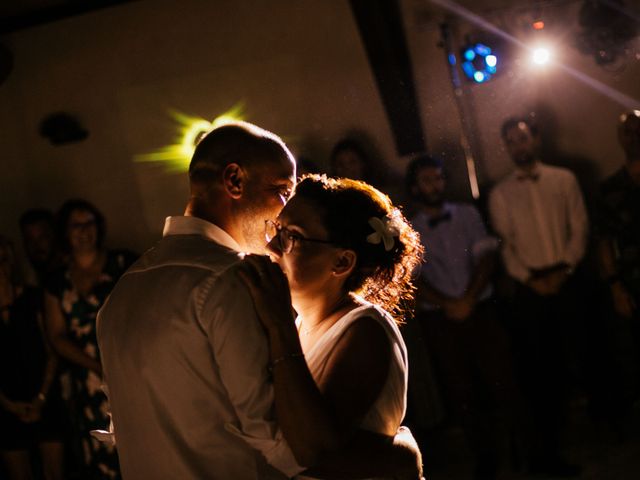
[480, 64]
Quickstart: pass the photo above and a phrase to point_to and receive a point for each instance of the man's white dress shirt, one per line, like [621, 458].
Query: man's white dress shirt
[542, 221]
[185, 360]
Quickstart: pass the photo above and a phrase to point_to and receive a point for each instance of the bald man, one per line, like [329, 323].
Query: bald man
[183, 352]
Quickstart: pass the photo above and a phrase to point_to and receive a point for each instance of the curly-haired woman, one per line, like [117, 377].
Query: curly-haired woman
[343, 257]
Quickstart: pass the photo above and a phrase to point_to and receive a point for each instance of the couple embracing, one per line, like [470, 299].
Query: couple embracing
[210, 373]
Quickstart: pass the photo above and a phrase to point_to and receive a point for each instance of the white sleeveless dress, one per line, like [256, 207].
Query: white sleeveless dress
[387, 412]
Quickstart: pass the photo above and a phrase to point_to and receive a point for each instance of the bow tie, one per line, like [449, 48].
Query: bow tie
[528, 176]
[445, 217]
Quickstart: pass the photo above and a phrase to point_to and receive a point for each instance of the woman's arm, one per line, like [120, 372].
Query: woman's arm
[352, 381]
[370, 455]
[356, 372]
[303, 413]
[50, 369]
[319, 421]
[622, 300]
[19, 409]
[57, 334]
[326, 415]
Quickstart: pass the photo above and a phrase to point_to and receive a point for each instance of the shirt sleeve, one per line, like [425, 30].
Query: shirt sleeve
[503, 227]
[578, 223]
[481, 242]
[240, 349]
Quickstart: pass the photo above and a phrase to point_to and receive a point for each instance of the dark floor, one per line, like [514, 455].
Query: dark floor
[602, 454]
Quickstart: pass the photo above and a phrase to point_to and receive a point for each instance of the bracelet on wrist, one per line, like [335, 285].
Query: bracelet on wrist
[288, 356]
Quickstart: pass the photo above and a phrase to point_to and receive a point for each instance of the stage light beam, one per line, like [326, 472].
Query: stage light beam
[620, 98]
[189, 131]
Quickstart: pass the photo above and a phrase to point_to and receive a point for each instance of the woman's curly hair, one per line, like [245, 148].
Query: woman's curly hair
[382, 277]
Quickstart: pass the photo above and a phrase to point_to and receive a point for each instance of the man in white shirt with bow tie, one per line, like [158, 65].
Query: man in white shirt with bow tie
[539, 213]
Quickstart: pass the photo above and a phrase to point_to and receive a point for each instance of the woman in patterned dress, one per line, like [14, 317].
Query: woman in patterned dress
[74, 295]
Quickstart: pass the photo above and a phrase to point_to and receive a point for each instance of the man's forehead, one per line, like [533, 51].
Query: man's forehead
[519, 128]
[517, 133]
[280, 167]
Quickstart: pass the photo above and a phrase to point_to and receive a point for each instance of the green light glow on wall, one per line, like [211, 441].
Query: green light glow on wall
[176, 157]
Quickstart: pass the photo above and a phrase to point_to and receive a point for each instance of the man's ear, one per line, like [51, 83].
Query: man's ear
[344, 263]
[234, 179]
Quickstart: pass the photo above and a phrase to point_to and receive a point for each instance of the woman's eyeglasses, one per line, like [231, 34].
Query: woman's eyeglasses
[286, 238]
[82, 225]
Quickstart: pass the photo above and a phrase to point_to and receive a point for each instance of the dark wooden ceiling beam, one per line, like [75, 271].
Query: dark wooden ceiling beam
[382, 32]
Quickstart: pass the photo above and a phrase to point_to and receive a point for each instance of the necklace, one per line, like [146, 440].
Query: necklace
[340, 304]
[308, 331]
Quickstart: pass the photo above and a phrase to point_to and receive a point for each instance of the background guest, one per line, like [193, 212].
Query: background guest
[74, 295]
[455, 308]
[31, 409]
[619, 254]
[349, 160]
[38, 238]
[539, 213]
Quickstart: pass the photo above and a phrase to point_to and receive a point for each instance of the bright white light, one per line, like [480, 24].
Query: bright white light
[491, 60]
[541, 56]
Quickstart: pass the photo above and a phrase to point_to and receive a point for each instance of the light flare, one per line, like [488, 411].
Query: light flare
[176, 157]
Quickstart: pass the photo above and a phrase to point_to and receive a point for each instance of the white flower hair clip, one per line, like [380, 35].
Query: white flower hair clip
[384, 230]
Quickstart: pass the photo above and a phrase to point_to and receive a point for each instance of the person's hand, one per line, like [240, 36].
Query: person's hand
[555, 280]
[269, 290]
[623, 303]
[413, 460]
[459, 309]
[33, 412]
[96, 367]
[19, 409]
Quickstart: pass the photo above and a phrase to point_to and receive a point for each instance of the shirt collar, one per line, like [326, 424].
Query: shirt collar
[534, 174]
[447, 210]
[181, 225]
